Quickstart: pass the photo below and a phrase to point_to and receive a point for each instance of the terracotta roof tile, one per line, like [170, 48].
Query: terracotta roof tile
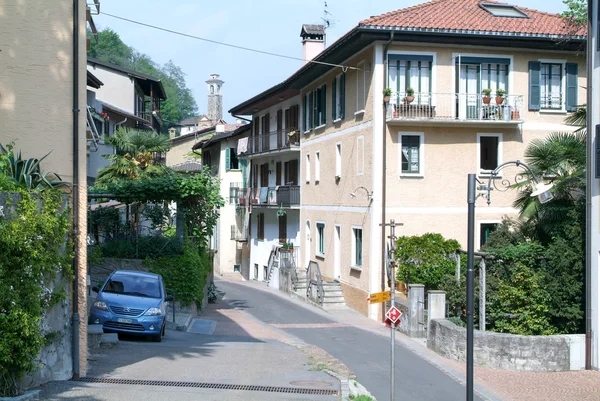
[468, 15]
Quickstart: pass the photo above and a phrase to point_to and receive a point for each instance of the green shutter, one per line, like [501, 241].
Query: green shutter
[304, 120]
[571, 86]
[534, 85]
[333, 105]
[227, 159]
[311, 111]
[343, 93]
[324, 102]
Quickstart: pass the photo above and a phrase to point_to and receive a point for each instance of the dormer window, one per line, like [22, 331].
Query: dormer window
[503, 10]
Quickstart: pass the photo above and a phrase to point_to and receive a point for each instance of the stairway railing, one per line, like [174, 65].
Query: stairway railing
[315, 279]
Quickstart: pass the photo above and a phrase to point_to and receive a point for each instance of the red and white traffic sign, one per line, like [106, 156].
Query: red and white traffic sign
[393, 314]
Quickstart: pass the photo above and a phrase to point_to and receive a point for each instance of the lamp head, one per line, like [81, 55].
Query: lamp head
[542, 191]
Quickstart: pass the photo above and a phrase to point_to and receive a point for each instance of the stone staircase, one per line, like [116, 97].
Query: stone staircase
[333, 291]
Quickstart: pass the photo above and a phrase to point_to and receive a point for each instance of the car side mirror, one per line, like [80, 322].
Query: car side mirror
[169, 298]
[95, 289]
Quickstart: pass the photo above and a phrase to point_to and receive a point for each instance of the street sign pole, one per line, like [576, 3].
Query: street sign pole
[393, 302]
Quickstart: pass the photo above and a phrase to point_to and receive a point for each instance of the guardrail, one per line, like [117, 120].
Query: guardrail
[275, 140]
[315, 279]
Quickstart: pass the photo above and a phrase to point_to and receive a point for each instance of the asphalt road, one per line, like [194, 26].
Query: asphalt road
[364, 352]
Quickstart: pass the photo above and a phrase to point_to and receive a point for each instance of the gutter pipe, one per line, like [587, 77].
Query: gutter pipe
[75, 317]
[384, 175]
[589, 182]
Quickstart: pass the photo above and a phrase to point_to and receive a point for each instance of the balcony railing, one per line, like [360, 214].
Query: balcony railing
[454, 107]
[288, 195]
[239, 234]
[278, 140]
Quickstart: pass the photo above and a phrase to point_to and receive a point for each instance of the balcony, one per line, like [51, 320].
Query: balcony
[284, 196]
[239, 234]
[274, 142]
[454, 108]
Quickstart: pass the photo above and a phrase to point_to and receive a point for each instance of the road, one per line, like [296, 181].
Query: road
[364, 352]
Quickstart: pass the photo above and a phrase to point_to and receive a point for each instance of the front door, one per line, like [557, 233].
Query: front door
[469, 92]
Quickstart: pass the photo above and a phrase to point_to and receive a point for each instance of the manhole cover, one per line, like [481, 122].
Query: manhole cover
[306, 383]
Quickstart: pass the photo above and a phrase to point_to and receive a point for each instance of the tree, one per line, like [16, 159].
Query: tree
[577, 12]
[180, 103]
[135, 155]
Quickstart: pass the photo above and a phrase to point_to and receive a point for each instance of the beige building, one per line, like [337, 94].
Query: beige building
[436, 129]
[40, 87]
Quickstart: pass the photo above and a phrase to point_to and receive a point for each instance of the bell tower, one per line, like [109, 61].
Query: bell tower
[214, 85]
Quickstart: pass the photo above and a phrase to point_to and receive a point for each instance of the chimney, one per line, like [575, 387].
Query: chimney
[172, 132]
[313, 41]
[215, 98]
[220, 127]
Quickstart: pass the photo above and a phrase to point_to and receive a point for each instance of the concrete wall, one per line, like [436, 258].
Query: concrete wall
[509, 351]
[36, 101]
[118, 88]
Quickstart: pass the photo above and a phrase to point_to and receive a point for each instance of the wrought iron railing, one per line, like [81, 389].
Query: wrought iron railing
[454, 106]
[315, 283]
[286, 195]
[276, 140]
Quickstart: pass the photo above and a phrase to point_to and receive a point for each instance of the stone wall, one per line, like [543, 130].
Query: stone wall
[509, 351]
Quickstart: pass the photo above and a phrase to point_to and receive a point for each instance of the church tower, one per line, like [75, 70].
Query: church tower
[215, 98]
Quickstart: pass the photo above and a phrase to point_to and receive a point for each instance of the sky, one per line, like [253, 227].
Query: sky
[268, 25]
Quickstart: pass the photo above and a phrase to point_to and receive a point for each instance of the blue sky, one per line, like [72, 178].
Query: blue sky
[269, 25]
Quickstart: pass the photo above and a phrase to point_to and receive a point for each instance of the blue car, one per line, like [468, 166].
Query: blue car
[131, 302]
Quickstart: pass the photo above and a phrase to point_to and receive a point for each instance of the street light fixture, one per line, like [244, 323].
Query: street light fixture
[542, 191]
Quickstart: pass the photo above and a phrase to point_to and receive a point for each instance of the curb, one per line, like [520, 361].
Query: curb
[344, 386]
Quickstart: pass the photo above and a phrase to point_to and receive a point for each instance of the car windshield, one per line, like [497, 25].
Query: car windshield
[133, 285]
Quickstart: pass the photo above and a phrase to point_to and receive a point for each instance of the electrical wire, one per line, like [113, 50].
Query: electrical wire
[344, 67]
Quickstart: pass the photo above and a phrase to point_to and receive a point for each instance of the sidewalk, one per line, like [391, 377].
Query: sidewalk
[492, 384]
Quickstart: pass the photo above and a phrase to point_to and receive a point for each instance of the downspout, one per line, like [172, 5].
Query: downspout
[589, 182]
[76, 189]
[384, 175]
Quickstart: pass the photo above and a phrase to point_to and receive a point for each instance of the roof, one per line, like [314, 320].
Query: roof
[192, 135]
[124, 113]
[471, 16]
[312, 31]
[144, 80]
[241, 129]
[408, 25]
[190, 165]
[193, 120]
[93, 81]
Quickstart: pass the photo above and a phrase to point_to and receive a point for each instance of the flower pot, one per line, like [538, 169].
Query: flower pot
[515, 115]
[486, 100]
[386, 99]
[499, 100]
[409, 99]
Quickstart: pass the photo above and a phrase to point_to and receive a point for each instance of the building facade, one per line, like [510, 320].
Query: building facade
[438, 126]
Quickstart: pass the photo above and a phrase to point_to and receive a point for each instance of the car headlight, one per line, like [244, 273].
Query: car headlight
[101, 305]
[153, 312]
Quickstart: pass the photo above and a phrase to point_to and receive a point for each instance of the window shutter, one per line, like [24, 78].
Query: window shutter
[534, 85]
[227, 159]
[343, 94]
[304, 107]
[333, 105]
[571, 86]
[324, 103]
[278, 173]
[311, 111]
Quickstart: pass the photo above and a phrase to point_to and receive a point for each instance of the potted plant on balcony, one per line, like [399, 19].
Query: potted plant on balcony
[288, 246]
[410, 95]
[281, 212]
[500, 96]
[387, 94]
[486, 95]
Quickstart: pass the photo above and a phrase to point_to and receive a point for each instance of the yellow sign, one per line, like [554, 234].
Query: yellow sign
[379, 297]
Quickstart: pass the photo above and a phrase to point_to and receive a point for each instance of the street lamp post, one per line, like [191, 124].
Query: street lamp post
[542, 191]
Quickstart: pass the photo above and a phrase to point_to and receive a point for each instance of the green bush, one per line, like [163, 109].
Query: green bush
[185, 274]
[425, 259]
[32, 258]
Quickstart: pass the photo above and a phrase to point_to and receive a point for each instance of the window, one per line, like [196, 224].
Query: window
[231, 159]
[319, 107]
[357, 259]
[361, 87]
[282, 228]
[317, 166]
[411, 153]
[307, 173]
[290, 172]
[490, 149]
[320, 239]
[411, 71]
[265, 127]
[503, 10]
[260, 226]
[338, 95]
[291, 119]
[485, 230]
[278, 173]
[264, 175]
[255, 132]
[265, 273]
[206, 160]
[308, 111]
[338, 160]
[280, 139]
[360, 155]
[553, 85]
[256, 271]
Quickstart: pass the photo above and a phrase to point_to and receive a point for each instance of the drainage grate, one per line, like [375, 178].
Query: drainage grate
[242, 387]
